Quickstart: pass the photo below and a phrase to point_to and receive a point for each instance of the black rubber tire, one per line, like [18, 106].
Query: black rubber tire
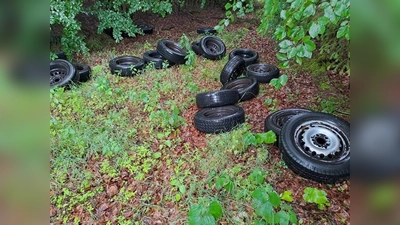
[249, 56]
[277, 119]
[196, 48]
[61, 55]
[84, 71]
[172, 51]
[217, 98]
[316, 146]
[146, 29]
[264, 73]
[213, 48]
[206, 30]
[121, 65]
[247, 87]
[232, 69]
[219, 119]
[62, 73]
[153, 56]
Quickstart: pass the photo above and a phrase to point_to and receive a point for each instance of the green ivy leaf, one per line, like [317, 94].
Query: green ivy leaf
[309, 44]
[297, 33]
[274, 199]
[292, 53]
[299, 60]
[283, 14]
[215, 209]
[323, 20]
[285, 44]
[281, 56]
[261, 204]
[315, 29]
[250, 139]
[239, 4]
[198, 214]
[281, 218]
[157, 155]
[328, 12]
[220, 183]
[257, 176]
[267, 137]
[313, 195]
[309, 11]
[280, 33]
[287, 196]
[228, 6]
[283, 65]
[340, 9]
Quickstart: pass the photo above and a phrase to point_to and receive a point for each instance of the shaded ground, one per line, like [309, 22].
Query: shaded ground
[303, 90]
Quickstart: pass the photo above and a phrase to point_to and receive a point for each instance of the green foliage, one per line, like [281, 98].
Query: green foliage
[235, 8]
[287, 196]
[267, 202]
[279, 82]
[313, 195]
[297, 25]
[201, 214]
[111, 14]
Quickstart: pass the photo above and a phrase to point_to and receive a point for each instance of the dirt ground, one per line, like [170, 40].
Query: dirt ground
[303, 84]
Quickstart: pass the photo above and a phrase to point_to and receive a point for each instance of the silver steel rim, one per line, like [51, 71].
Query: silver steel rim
[322, 140]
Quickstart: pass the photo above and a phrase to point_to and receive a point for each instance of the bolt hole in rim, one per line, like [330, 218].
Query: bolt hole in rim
[322, 140]
[57, 75]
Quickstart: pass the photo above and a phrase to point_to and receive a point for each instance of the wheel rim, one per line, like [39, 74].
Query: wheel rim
[213, 47]
[57, 75]
[323, 141]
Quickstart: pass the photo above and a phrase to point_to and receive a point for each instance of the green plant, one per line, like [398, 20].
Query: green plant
[266, 203]
[279, 82]
[313, 195]
[205, 212]
[271, 103]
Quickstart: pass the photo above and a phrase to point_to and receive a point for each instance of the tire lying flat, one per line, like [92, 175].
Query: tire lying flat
[154, 57]
[264, 73]
[84, 71]
[249, 56]
[172, 51]
[126, 65]
[196, 48]
[219, 119]
[247, 87]
[217, 98]
[317, 146]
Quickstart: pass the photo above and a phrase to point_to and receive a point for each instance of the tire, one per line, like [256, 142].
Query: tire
[232, 69]
[61, 55]
[196, 48]
[248, 88]
[317, 147]
[121, 65]
[206, 30]
[217, 98]
[213, 47]
[219, 119]
[264, 73]
[277, 119]
[249, 56]
[84, 71]
[172, 51]
[154, 57]
[62, 73]
[146, 29]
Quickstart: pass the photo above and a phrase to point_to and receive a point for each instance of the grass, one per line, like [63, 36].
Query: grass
[128, 132]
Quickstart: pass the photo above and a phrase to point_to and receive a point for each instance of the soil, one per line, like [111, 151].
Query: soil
[298, 93]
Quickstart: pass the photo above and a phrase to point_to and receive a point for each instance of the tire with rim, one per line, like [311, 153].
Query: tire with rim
[317, 146]
[172, 51]
[126, 65]
[84, 71]
[62, 73]
[154, 57]
[264, 73]
[232, 69]
[213, 48]
[277, 119]
[217, 98]
[206, 30]
[196, 48]
[249, 56]
[219, 119]
[247, 87]
[61, 55]
[146, 29]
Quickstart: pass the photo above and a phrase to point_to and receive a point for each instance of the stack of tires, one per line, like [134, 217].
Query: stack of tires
[314, 145]
[64, 73]
[166, 54]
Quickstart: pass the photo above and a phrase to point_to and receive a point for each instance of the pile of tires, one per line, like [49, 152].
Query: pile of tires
[64, 73]
[166, 54]
[314, 145]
